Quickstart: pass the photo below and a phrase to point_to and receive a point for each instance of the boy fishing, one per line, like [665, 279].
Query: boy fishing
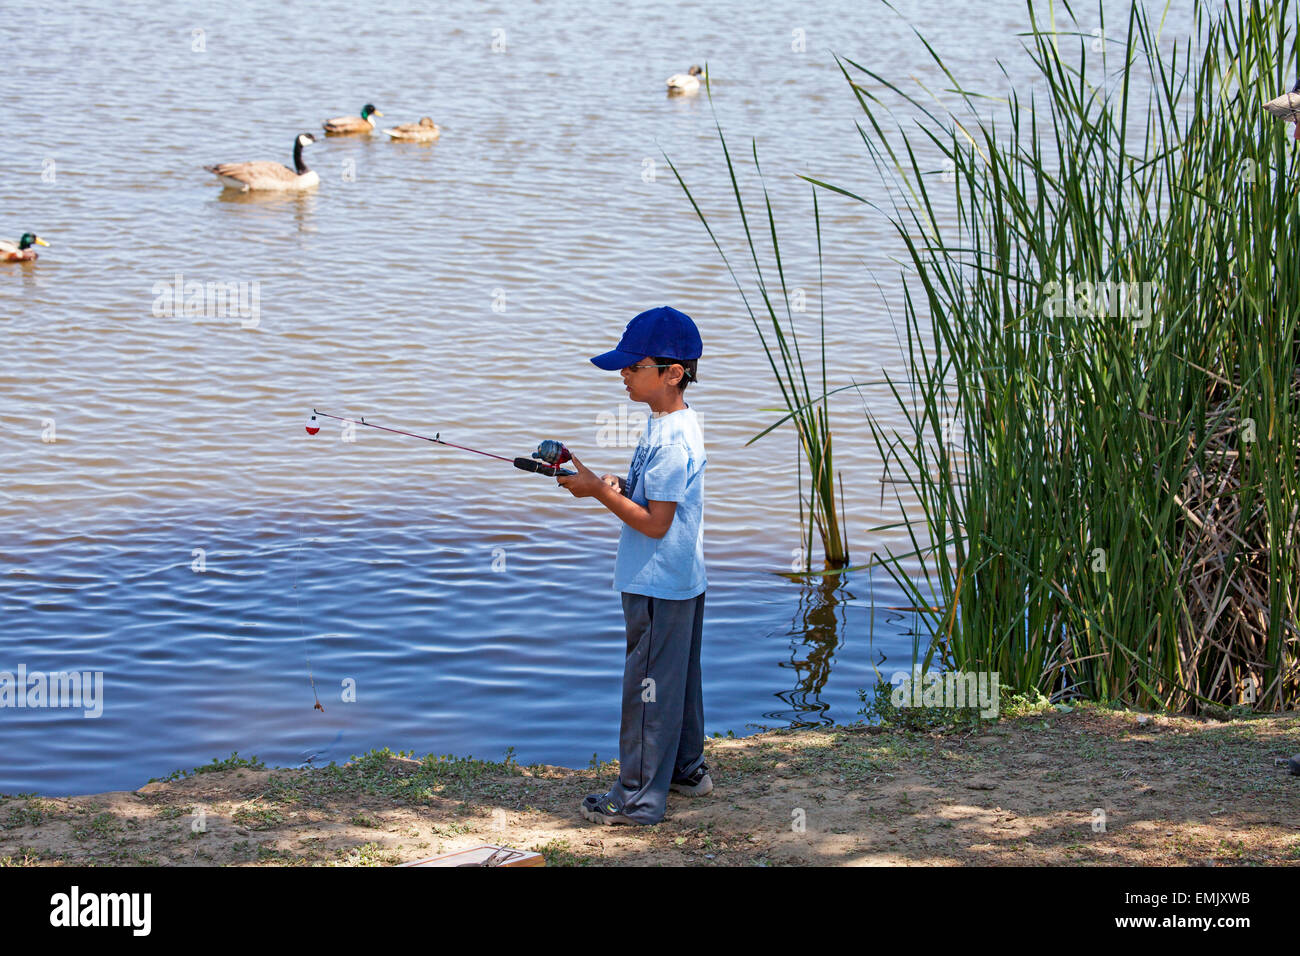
[660, 572]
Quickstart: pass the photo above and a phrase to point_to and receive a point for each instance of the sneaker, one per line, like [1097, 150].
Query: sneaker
[697, 784]
[599, 808]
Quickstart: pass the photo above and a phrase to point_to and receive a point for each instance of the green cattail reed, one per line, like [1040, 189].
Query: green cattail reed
[1101, 308]
[774, 322]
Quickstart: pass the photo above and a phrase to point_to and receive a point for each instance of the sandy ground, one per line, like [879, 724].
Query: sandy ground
[1088, 787]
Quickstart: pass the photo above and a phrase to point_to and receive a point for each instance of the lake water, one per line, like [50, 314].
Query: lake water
[165, 519]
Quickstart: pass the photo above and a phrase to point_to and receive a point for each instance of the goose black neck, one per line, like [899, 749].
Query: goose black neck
[297, 158]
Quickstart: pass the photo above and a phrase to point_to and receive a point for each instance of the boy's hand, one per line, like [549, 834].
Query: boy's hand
[652, 519]
[584, 484]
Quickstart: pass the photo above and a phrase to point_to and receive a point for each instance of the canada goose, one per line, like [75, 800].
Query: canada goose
[21, 250]
[1287, 107]
[342, 125]
[424, 131]
[684, 84]
[264, 174]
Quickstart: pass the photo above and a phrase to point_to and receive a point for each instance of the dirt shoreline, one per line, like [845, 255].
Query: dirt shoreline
[1034, 790]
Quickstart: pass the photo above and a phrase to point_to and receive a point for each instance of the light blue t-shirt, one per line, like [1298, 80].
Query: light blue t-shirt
[668, 465]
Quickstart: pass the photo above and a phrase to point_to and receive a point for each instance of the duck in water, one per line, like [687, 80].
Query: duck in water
[266, 175]
[343, 125]
[20, 251]
[425, 131]
[685, 84]
[1287, 107]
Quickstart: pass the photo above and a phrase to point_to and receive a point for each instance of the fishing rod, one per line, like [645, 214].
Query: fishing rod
[550, 452]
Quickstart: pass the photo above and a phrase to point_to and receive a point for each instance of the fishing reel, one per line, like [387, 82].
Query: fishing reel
[552, 454]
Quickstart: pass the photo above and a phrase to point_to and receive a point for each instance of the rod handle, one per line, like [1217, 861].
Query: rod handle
[541, 467]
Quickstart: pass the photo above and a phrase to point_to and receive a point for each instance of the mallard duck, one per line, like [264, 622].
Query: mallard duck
[21, 250]
[1287, 107]
[684, 84]
[264, 174]
[424, 131]
[343, 125]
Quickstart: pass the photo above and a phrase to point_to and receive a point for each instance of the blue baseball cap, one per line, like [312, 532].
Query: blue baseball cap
[662, 332]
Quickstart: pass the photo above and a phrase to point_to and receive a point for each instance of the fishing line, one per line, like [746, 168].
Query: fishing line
[546, 461]
[302, 627]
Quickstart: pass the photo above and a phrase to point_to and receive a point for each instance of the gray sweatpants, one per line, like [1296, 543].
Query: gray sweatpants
[662, 732]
